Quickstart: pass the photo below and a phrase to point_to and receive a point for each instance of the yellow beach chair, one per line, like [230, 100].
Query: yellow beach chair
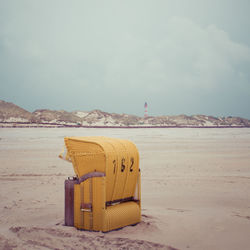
[107, 193]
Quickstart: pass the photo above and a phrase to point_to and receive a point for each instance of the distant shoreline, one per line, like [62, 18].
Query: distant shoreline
[55, 125]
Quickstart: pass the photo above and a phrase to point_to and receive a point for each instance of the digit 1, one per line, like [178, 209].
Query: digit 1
[114, 163]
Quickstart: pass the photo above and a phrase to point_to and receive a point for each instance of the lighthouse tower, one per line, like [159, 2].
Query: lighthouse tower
[146, 110]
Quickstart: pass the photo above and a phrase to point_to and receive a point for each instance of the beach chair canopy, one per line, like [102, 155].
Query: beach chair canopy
[117, 159]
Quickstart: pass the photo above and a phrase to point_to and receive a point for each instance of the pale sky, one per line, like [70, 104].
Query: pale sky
[180, 56]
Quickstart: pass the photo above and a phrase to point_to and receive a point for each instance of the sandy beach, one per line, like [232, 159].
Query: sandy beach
[195, 190]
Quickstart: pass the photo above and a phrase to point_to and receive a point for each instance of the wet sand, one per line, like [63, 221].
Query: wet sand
[195, 190]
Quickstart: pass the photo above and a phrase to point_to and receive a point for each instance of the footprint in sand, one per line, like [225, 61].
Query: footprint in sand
[178, 210]
[7, 243]
[241, 216]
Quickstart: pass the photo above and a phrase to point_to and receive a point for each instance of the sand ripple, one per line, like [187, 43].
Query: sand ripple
[57, 238]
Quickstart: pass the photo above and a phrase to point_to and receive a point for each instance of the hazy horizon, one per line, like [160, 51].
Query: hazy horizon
[181, 57]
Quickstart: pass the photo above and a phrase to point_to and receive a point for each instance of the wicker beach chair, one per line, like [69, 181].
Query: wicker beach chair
[106, 190]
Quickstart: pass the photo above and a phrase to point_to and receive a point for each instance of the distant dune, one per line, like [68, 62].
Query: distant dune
[12, 115]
